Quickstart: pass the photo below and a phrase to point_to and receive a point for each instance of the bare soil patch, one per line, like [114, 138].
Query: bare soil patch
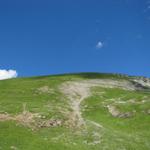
[116, 113]
[45, 89]
[5, 117]
[32, 120]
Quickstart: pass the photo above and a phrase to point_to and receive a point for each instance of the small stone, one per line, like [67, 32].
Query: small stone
[13, 147]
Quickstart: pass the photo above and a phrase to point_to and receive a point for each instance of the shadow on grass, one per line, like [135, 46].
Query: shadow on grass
[86, 75]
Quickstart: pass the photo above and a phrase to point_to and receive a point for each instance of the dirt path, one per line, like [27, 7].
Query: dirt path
[77, 91]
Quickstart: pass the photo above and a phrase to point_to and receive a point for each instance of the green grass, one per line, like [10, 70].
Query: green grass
[117, 133]
[120, 133]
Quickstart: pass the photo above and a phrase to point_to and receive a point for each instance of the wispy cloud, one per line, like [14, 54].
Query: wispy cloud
[99, 45]
[147, 7]
[7, 74]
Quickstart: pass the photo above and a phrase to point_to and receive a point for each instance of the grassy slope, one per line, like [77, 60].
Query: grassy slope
[118, 133]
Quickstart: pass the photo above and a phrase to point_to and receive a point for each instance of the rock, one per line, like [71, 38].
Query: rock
[50, 123]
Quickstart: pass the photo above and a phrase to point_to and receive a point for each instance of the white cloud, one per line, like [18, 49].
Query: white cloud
[7, 74]
[99, 45]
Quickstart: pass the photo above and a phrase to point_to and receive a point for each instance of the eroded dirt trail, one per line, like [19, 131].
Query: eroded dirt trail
[77, 91]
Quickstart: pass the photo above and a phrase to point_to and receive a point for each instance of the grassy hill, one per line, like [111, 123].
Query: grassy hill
[75, 112]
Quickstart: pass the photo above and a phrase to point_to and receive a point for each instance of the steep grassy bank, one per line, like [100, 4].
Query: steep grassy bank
[75, 111]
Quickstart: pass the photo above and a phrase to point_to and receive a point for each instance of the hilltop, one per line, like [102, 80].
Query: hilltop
[82, 111]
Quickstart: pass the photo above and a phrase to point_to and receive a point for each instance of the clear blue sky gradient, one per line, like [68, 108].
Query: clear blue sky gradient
[39, 37]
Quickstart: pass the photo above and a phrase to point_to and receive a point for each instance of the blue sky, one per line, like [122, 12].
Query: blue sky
[39, 37]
